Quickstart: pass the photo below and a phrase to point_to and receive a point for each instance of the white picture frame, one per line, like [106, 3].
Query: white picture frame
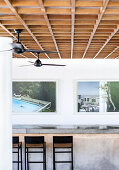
[101, 111]
[39, 113]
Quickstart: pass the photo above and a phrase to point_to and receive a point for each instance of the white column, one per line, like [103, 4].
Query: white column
[5, 105]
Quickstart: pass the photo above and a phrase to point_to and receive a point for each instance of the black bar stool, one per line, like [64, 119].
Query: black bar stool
[17, 149]
[62, 142]
[33, 142]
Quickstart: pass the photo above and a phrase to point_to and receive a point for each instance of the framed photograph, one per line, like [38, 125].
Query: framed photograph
[88, 93]
[33, 96]
[97, 97]
[110, 96]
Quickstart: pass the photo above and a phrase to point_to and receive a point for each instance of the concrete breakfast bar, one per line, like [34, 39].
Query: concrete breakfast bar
[60, 129]
[93, 146]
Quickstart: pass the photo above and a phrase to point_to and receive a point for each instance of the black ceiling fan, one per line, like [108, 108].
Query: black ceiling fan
[19, 49]
[38, 63]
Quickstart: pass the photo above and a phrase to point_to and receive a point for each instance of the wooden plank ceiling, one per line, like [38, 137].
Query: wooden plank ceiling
[74, 28]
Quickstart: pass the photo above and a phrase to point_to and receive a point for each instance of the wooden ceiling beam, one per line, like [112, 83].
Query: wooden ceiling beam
[112, 11]
[117, 57]
[102, 11]
[109, 38]
[110, 17]
[49, 26]
[55, 3]
[89, 3]
[87, 26]
[9, 4]
[29, 11]
[61, 11]
[61, 3]
[112, 52]
[87, 11]
[72, 27]
[21, 3]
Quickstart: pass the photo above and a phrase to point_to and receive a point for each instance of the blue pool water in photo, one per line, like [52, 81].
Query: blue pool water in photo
[23, 106]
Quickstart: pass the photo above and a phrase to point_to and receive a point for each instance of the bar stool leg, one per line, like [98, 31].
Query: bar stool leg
[72, 157]
[18, 156]
[44, 158]
[27, 160]
[25, 157]
[53, 158]
[21, 157]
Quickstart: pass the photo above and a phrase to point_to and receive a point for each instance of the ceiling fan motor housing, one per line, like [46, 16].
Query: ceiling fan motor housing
[38, 63]
[18, 48]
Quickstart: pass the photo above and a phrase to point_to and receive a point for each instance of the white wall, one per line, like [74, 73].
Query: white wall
[66, 79]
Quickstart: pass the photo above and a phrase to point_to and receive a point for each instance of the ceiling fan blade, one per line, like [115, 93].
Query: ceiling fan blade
[6, 50]
[53, 65]
[14, 45]
[26, 65]
[31, 62]
[39, 51]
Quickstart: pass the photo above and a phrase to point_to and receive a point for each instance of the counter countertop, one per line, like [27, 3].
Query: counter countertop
[98, 129]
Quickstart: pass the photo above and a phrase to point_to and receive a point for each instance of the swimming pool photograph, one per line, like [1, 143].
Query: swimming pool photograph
[28, 96]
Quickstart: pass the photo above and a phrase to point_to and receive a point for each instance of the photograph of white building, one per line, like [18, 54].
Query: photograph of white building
[88, 97]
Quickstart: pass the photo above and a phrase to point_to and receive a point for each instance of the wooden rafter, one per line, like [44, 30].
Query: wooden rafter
[75, 31]
[49, 26]
[117, 57]
[3, 27]
[9, 4]
[100, 15]
[72, 27]
[112, 52]
[110, 37]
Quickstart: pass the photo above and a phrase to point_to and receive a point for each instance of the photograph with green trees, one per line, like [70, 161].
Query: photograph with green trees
[112, 90]
[32, 96]
[101, 96]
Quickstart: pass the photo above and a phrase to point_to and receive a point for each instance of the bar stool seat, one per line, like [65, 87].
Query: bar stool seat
[34, 142]
[63, 145]
[34, 145]
[17, 146]
[62, 142]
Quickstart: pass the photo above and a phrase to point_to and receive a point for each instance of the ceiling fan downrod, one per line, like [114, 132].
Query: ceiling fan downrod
[18, 31]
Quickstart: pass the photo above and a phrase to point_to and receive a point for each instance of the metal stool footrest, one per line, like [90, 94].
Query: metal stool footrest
[62, 142]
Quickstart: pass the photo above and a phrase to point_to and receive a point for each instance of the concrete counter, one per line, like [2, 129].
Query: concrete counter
[95, 147]
[36, 129]
[91, 152]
